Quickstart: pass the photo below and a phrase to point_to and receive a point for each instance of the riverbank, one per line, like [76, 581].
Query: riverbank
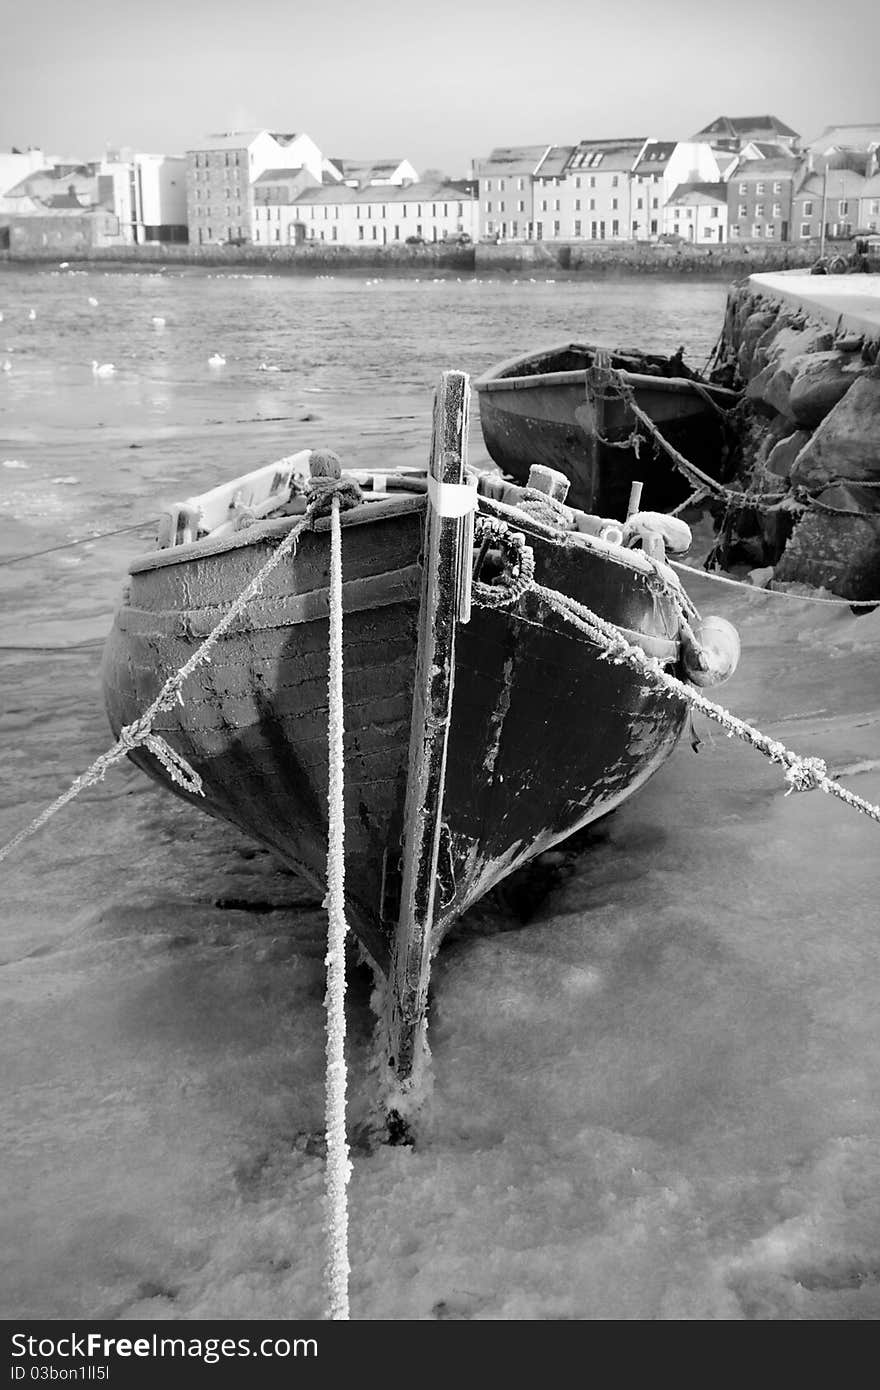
[524, 258]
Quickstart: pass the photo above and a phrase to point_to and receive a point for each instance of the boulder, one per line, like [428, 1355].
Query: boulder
[847, 442]
[755, 325]
[783, 454]
[836, 552]
[821, 379]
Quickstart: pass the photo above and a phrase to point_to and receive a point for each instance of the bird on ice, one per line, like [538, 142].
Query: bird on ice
[33, 314]
[102, 368]
[92, 301]
[157, 321]
[216, 360]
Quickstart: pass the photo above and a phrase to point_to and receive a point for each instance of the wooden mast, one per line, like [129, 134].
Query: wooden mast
[442, 579]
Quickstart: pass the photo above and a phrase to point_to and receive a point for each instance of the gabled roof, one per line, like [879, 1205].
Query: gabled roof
[422, 192]
[655, 156]
[743, 127]
[699, 193]
[768, 150]
[839, 183]
[279, 175]
[554, 161]
[512, 159]
[766, 168]
[853, 137]
[614, 156]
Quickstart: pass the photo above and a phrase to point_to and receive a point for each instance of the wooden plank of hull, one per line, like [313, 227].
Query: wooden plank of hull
[254, 720]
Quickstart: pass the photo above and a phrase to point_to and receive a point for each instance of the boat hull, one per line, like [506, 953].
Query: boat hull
[537, 409]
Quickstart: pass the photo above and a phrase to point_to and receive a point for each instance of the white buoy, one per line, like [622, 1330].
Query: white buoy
[32, 314]
[93, 301]
[716, 655]
[157, 321]
[102, 369]
[216, 360]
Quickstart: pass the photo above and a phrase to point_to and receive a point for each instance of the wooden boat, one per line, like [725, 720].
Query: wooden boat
[565, 407]
[475, 736]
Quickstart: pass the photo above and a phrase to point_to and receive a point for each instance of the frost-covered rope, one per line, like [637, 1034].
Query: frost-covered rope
[775, 593]
[140, 731]
[802, 773]
[338, 1169]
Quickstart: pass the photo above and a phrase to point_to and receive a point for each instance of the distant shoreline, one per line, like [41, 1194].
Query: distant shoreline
[571, 259]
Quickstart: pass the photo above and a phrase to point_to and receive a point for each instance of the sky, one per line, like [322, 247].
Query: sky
[438, 84]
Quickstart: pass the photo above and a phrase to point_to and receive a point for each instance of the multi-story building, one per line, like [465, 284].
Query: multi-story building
[662, 167]
[598, 181]
[376, 215]
[221, 175]
[147, 193]
[827, 204]
[869, 205]
[362, 173]
[759, 199]
[505, 187]
[697, 212]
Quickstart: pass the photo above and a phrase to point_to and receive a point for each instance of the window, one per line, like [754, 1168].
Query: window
[743, 189]
[360, 233]
[489, 207]
[756, 230]
[520, 207]
[594, 226]
[520, 183]
[777, 188]
[639, 203]
[615, 228]
[502, 184]
[555, 204]
[614, 181]
[716, 212]
[874, 207]
[577, 182]
[759, 209]
[689, 214]
[843, 207]
[742, 210]
[577, 228]
[759, 188]
[777, 209]
[375, 230]
[770, 230]
[614, 204]
[653, 227]
[543, 204]
[539, 231]
[808, 209]
[577, 204]
[805, 229]
[592, 205]
[556, 227]
[592, 180]
[488, 185]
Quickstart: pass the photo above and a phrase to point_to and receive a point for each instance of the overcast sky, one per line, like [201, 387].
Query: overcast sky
[439, 82]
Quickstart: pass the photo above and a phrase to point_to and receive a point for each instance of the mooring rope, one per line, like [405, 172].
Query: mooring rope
[140, 731]
[773, 593]
[338, 1166]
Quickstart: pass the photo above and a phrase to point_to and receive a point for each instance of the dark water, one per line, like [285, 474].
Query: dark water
[655, 1098]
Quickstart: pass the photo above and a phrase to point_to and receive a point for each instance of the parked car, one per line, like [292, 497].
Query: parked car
[415, 241]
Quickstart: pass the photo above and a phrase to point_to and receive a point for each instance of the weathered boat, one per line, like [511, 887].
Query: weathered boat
[568, 407]
[481, 727]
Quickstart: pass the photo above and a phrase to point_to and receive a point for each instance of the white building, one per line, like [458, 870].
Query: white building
[377, 215]
[661, 168]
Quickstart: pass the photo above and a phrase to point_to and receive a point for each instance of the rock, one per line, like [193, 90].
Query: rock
[756, 324]
[839, 553]
[783, 454]
[847, 442]
[821, 379]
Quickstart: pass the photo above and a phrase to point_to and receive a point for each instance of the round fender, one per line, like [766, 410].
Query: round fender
[716, 654]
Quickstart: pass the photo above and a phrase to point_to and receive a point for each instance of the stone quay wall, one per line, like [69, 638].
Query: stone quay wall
[810, 443]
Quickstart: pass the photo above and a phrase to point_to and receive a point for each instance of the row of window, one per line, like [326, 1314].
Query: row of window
[332, 210]
[228, 159]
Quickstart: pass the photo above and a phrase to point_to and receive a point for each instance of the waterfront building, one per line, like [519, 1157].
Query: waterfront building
[147, 193]
[846, 137]
[221, 174]
[827, 203]
[363, 173]
[16, 165]
[697, 212]
[663, 166]
[505, 191]
[598, 182]
[869, 205]
[759, 199]
[433, 211]
[736, 132]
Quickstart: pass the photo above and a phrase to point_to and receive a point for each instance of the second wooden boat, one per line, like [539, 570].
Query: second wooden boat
[566, 407]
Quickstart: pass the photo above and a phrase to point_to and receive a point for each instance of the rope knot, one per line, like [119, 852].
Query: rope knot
[518, 574]
[320, 492]
[805, 774]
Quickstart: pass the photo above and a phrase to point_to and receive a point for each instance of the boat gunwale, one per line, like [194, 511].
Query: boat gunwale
[274, 528]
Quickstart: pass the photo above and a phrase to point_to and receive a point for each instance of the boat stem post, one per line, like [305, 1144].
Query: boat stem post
[432, 704]
[635, 497]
